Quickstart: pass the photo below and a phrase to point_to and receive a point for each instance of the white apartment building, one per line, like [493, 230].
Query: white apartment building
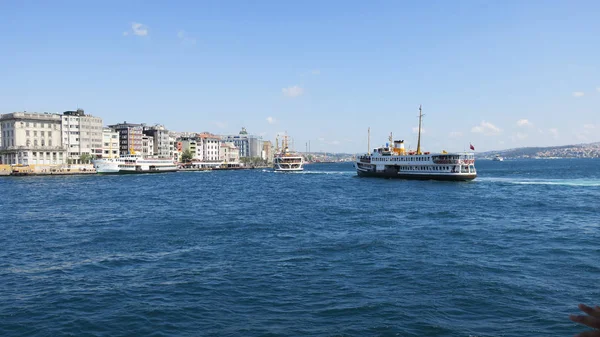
[147, 146]
[110, 143]
[173, 154]
[31, 139]
[209, 146]
[82, 135]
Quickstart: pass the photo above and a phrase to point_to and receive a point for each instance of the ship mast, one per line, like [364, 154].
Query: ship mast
[369, 140]
[419, 139]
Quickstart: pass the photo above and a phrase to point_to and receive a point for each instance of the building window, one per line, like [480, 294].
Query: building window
[35, 133]
[27, 133]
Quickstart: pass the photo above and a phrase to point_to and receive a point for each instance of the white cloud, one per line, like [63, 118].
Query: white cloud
[184, 38]
[321, 139]
[137, 29]
[293, 91]
[578, 94]
[524, 122]
[455, 134]
[589, 126]
[335, 142]
[554, 132]
[416, 130]
[486, 128]
[318, 72]
[271, 120]
[598, 89]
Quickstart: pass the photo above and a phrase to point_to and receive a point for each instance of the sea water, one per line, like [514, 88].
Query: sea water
[315, 253]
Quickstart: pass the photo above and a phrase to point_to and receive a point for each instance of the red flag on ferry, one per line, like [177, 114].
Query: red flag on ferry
[472, 147]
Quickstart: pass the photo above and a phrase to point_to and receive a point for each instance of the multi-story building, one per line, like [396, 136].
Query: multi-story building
[173, 147]
[229, 153]
[147, 146]
[31, 138]
[130, 137]
[189, 144]
[161, 140]
[82, 135]
[267, 151]
[249, 145]
[210, 146]
[110, 143]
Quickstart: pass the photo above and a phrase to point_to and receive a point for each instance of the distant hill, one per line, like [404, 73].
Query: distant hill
[590, 150]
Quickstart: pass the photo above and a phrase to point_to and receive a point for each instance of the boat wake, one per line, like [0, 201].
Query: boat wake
[555, 182]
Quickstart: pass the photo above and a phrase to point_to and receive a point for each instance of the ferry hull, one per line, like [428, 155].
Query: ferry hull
[288, 170]
[134, 172]
[417, 176]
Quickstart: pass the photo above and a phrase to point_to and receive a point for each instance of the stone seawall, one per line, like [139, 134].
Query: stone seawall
[46, 170]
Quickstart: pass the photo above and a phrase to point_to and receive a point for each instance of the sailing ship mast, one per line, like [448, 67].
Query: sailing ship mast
[419, 139]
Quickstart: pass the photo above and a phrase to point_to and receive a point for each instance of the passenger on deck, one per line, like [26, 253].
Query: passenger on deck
[592, 320]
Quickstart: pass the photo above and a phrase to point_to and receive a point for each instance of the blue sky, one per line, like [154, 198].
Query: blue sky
[497, 74]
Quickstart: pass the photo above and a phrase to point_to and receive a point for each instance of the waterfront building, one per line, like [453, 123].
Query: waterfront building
[81, 135]
[173, 147]
[229, 153]
[130, 137]
[147, 146]
[160, 141]
[209, 147]
[31, 138]
[189, 144]
[110, 143]
[267, 152]
[248, 145]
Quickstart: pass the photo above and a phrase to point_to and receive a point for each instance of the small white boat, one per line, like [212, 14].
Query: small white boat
[497, 158]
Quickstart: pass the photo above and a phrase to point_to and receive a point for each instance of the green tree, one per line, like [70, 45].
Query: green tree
[85, 158]
[187, 156]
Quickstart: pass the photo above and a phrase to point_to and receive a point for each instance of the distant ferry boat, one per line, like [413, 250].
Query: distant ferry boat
[286, 160]
[133, 164]
[393, 161]
[497, 158]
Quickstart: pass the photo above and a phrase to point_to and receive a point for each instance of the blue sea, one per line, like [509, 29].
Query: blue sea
[316, 253]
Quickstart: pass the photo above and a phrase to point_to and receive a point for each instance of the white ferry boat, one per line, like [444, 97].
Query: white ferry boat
[286, 160]
[393, 161]
[498, 158]
[133, 164]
